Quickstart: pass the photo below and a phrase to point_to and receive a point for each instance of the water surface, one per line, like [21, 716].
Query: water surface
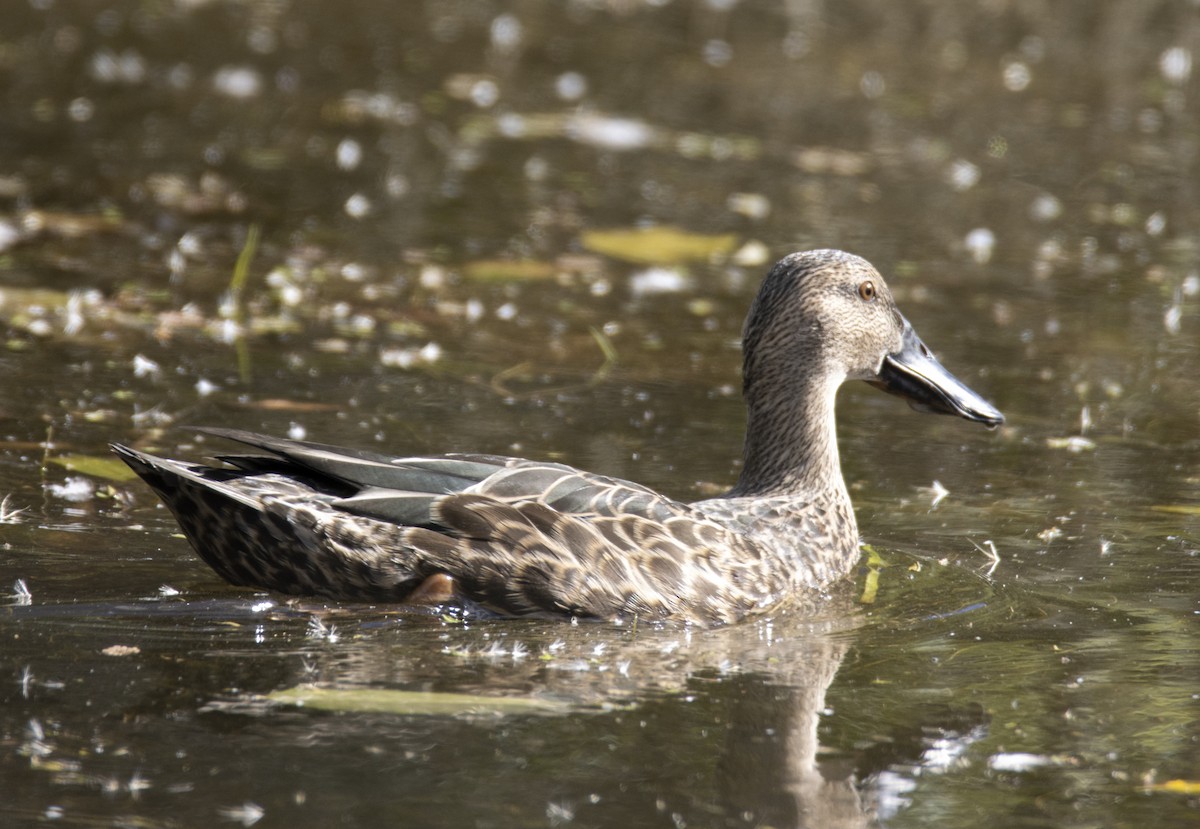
[413, 192]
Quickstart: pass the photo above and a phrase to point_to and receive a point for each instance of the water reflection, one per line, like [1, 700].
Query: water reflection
[733, 722]
[748, 700]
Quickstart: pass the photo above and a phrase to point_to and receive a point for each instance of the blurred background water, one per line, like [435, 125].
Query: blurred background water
[534, 229]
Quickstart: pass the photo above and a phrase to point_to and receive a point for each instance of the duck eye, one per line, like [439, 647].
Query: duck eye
[866, 290]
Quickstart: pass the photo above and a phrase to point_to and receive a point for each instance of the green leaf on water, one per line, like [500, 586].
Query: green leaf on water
[508, 270]
[662, 245]
[874, 559]
[875, 563]
[1177, 509]
[871, 586]
[97, 466]
[389, 701]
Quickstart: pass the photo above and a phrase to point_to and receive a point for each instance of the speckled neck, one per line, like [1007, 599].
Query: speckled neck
[791, 439]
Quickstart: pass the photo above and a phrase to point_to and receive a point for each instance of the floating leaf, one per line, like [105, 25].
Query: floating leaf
[280, 404]
[1177, 509]
[874, 559]
[508, 270]
[871, 587]
[389, 701]
[110, 469]
[663, 245]
[1188, 787]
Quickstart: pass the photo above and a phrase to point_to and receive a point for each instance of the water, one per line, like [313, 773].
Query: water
[424, 180]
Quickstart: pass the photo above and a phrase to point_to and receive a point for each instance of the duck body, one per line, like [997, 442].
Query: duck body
[519, 537]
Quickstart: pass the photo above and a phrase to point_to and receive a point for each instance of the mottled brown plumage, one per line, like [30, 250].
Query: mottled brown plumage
[519, 537]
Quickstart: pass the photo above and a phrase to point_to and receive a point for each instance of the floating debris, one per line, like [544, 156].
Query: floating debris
[247, 814]
[108, 468]
[145, 367]
[962, 175]
[240, 82]
[1018, 761]
[659, 245]
[75, 490]
[9, 514]
[612, 133]
[875, 564]
[410, 357]
[1177, 509]
[349, 154]
[358, 206]
[658, 281]
[127, 67]
[754, 206]
[570, 86]
[559, 813]
[137, 783]
[317, 629]
[832, 161]
[1177, 786]
[1173, 315]
[937, 493]
[1049, 534]
[280, 404]
[753, 254]
[210, 193]
[358, 106]
[10, 234]
[35, 744]
[508, 270]
[1045, 208]
[22, 593]
[989, 550]
[71, 225]
[980, 243]
[121, 650]
[1075, 443]
[1175, 64]
[394, 701]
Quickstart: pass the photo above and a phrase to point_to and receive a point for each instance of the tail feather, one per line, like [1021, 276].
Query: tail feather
[264, 532]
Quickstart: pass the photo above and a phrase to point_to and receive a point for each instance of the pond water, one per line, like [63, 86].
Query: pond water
[414, 227]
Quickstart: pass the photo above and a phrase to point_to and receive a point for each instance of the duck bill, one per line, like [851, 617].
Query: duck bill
[914, 374]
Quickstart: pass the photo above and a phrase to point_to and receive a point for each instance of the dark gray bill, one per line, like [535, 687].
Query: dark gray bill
[914, 374]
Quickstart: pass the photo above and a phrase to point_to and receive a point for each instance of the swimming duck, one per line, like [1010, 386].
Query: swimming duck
[519, 537]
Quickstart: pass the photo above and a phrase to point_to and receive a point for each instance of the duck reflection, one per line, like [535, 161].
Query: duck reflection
[727, 720]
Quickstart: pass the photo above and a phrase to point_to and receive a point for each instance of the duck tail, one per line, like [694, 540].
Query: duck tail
[270, 535]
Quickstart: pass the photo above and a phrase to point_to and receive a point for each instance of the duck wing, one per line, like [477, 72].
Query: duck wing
[516, 536]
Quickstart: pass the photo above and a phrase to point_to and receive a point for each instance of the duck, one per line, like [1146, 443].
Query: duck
[523, 538]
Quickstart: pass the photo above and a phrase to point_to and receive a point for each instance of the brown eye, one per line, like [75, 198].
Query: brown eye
[866, 290]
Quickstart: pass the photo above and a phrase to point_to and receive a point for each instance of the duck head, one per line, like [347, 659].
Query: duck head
[829, 314]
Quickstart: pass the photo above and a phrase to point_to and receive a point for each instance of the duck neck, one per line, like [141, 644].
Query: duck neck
[791, 440]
